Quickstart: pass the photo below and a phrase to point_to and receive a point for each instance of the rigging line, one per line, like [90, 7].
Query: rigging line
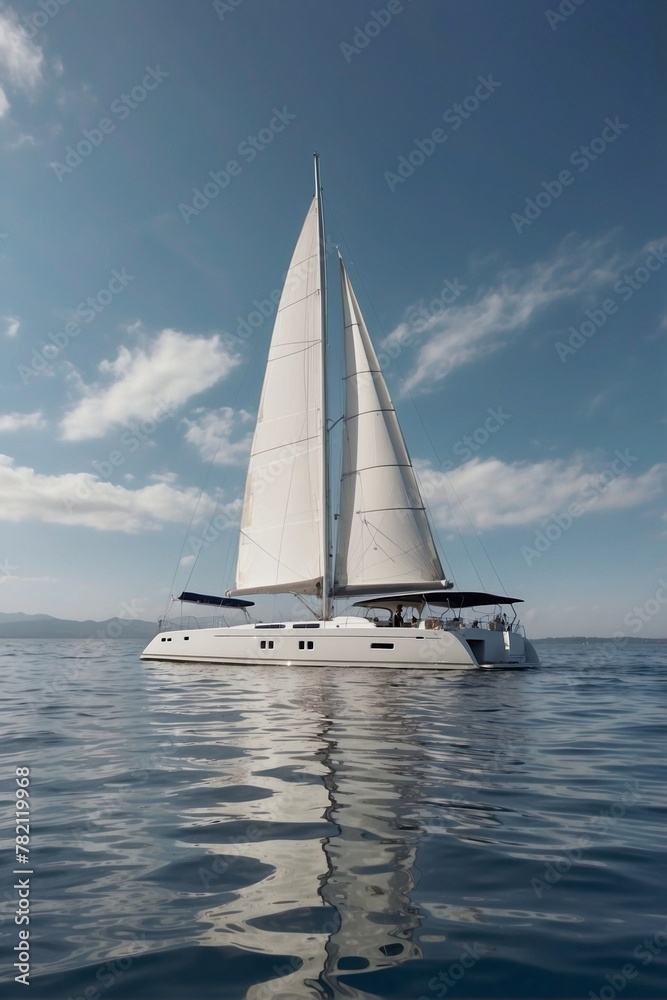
[430, 441]
[243, 374]
[451, 486]
[376, 531]
[481, 543]
[459, 532]
[180, 555]
[192, 519]
[295, 302]
[380, 327]
[330, 212]
[278, 560]
[225, 567]
[448, 480]
[290, 481]
[450, 573]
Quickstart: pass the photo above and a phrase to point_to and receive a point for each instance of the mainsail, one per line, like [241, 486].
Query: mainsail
[281, 546]
[384, 539]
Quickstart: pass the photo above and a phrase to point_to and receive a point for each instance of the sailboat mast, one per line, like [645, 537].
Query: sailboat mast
[326, 555]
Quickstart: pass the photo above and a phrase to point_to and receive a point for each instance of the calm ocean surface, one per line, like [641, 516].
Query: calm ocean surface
[200, 831]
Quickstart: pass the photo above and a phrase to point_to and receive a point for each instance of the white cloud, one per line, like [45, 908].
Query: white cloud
[592, 405]
[212, 434]
[450, 336]
[147, 383]
[13, 578]
[16, 421]
[21, 61]
[12, 324]
[164, 477]
[496, 494]
[85, 500]
[24, 139]
[4, 103]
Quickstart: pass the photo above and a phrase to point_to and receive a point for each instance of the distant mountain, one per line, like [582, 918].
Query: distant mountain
[19, 616]
[597, 638]
[18, 625]
[22, 626]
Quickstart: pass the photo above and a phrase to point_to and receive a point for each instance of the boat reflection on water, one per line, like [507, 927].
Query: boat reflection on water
[337, 824]
[371, 859]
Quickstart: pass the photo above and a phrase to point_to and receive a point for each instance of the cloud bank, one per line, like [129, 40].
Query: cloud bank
[158, 375]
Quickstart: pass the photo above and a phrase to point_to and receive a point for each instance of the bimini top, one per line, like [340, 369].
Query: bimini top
[220, 602]
[449, 599]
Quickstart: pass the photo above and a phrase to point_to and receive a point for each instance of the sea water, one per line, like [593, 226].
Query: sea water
[198, 831]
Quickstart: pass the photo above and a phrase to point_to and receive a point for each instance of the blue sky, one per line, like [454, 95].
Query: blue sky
[494, 174]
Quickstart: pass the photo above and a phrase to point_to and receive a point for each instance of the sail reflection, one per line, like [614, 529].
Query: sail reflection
[339, 830]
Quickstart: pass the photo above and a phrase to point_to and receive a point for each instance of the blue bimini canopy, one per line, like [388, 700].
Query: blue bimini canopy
[452, 599]
[219, 602]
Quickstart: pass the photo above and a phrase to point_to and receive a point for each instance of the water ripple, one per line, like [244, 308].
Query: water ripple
[274, 833]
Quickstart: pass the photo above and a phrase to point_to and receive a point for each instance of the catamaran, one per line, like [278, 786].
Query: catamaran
[402, 611]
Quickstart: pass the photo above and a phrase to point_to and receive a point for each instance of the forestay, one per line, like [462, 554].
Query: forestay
[384, 539]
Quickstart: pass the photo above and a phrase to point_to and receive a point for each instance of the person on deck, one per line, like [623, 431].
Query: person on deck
[398, 616]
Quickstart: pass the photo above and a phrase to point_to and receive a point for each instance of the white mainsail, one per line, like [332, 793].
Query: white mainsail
[384, 538]
[281, 545]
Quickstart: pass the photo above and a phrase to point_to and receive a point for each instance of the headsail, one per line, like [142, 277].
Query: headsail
[384, 538]
[281, 546]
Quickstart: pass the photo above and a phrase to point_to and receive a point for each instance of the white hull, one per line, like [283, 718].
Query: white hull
[329, 644]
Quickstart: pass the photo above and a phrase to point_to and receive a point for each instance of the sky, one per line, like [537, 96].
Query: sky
[494, 176]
